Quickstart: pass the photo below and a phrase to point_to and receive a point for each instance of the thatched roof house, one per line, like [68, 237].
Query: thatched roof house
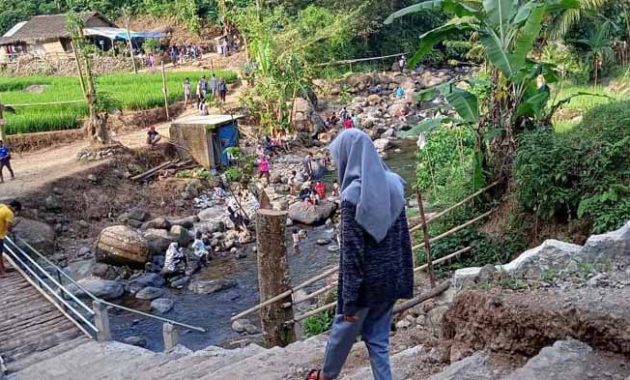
[46, 34]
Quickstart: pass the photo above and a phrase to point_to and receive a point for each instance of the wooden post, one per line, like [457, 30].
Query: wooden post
[273, 276]
[427, 244]
[101, 320]
[171, 337]
[165, 91]
[133, 60]
[79, 69]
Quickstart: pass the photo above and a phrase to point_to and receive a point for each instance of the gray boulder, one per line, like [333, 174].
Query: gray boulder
[571, 360]
[150, 293]
[244, 326]
[188, 222]
[105, 289]
[137, 341]
[162, 305]
[38, 234]
[302, 213]
[105, 271]
[211, 286]
[158, 240]
[139, 214]
[147, 279]
[475, 367]
[608, 247]
[157, 223]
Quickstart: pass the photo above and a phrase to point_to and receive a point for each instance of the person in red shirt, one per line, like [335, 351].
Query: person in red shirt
[320, 189]
[348, 124]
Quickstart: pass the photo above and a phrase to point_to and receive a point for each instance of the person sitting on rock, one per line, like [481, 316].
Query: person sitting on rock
[173, 257]
[153, 136]
[199, 248]
[347, 123]
[335, 189]
[399, 92]
[320, 189]
[305, 193]
[292, 182]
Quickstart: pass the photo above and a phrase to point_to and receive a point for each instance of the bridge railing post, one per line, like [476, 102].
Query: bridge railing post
[101, 321]
[171, 337]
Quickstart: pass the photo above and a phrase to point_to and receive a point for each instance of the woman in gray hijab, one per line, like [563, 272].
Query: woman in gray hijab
[376, 264]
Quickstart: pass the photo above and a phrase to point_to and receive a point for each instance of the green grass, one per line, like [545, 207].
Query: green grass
[565, 119]
[130, 91]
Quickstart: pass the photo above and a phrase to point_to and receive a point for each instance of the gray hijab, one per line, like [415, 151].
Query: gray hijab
[367, 182]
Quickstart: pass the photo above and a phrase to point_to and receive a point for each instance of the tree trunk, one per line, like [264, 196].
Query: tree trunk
[273, 277]
[3, 130]
[133, 60]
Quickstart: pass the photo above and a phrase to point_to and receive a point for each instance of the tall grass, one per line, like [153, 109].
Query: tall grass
[131, 91]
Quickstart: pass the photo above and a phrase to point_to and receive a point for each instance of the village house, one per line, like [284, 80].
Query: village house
[48, 34]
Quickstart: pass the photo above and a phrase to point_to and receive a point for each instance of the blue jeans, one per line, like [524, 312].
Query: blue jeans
[373, 326]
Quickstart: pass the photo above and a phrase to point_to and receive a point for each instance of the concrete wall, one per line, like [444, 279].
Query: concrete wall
[193, 142]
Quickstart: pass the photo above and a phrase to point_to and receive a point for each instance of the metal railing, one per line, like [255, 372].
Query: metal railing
[59, 288]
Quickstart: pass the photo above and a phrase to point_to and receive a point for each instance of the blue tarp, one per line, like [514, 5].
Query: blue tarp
[228, 137]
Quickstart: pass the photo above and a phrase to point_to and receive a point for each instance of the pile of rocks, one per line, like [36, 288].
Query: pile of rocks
[92, 153]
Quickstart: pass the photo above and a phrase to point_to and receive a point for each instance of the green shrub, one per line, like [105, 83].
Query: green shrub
[318, 324]
[584, 173]
[445, 165]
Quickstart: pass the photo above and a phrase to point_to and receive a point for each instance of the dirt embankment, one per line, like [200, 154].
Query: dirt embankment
[525, 322]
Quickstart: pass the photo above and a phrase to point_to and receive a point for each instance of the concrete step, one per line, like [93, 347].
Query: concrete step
[95, 361]
[407, 364]
[200, 363]
[52, 352]
[276, 363]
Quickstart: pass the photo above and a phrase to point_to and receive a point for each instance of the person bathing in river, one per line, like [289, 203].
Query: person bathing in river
[295, 235]
[375, 267]
[199, 249]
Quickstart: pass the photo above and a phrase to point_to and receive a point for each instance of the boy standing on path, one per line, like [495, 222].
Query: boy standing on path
[7, 222]
[5, 160]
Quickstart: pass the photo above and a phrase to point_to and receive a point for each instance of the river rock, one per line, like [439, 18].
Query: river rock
[150, 293]
[382, 144]
[323, 241]
[139, 214]
[137, 341]
[613, 246]
[144, 280]
[162, 305]
[38, 234]
[188, 222]
[244, 326]
[179, 282]
[158, 240]
[157, 223]
[211, 286]
[473, 367]
[302, 213]
[333, 248]
[104, 271]
[51, 203]
[121, 245]
[105, 289]
[184, 237]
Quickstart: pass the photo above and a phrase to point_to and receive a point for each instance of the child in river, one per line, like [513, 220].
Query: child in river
[296, 241]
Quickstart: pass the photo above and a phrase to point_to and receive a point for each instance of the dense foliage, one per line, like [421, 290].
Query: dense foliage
[581, 174]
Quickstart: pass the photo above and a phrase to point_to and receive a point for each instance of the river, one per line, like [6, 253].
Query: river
[213, 311]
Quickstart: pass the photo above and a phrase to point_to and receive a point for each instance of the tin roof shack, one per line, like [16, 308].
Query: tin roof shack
[205, 138]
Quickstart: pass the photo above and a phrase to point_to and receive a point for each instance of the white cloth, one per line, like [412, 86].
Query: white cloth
[173, 254]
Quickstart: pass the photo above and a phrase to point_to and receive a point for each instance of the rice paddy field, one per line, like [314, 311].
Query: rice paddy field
[31, 97]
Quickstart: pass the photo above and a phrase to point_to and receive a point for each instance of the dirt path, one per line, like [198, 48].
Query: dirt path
[34, 170]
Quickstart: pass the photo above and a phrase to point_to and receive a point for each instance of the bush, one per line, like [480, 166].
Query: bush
[318, 324]
[581, 174]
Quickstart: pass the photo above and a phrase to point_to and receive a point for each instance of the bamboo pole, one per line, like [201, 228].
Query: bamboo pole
[165, 91]
[79, 69]
[422, 297]
[456, 229]
[453, 207]
[313, 312]
[316, 293]
[445, 258]
[425, 237]
[287, 293]
[133, 59]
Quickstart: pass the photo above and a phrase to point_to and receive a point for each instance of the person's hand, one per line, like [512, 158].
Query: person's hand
[350, 318]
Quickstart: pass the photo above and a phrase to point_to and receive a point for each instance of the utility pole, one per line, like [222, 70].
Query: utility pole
[127, 13]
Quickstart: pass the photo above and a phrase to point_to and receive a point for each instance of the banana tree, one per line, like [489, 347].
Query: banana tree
[508, 31]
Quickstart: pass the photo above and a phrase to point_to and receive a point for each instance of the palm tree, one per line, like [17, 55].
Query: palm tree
[600, 49]
[572, 16]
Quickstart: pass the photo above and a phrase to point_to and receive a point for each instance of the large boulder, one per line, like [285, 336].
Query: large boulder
[473, 367]
[105, 289]
[39, 235]
[158, 240]
[382, 144]
[305, 117]
[144, 280]
[612, 246]
[150, 293]
[302, 213]
[121, 245]
[162, 305]
[157, 223]
[210, 286]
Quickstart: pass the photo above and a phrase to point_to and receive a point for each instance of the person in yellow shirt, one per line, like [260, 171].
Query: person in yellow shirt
[7, 222]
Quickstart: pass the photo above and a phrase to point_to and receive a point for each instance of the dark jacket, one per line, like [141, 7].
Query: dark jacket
[372, 273]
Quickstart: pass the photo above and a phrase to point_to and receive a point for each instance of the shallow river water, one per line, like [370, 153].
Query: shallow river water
[213, 311]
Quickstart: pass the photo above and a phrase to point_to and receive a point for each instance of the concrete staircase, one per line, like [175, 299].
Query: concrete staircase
[30, 325]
